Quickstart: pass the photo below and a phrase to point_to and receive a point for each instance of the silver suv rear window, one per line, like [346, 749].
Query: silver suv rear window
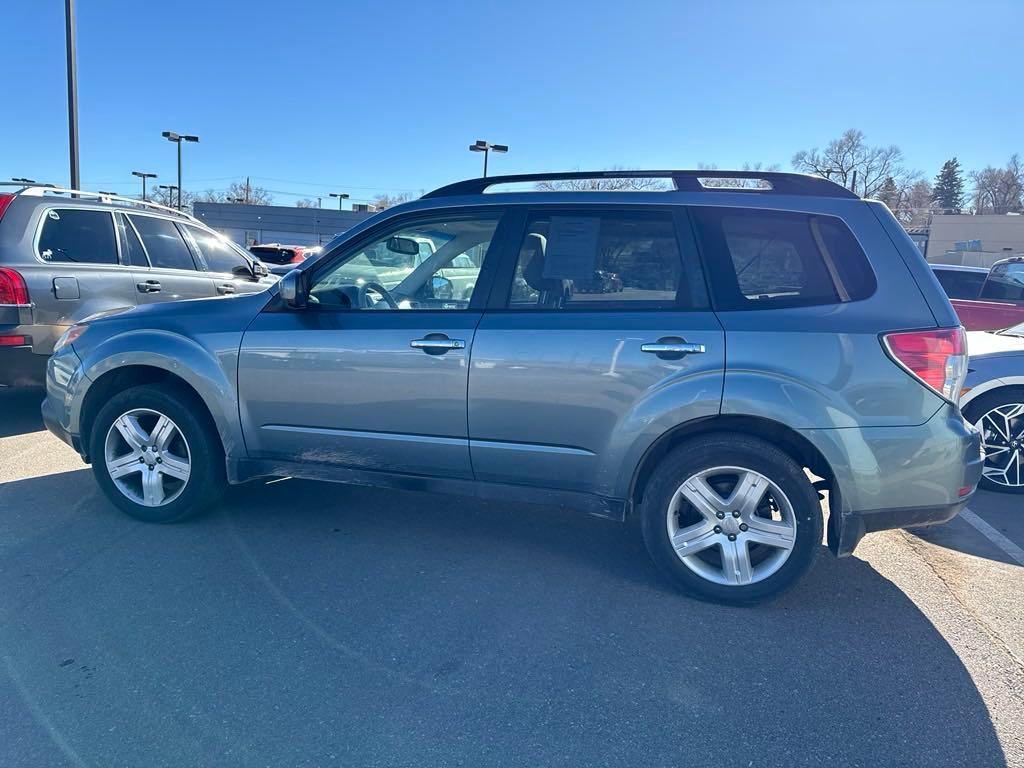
[762, 259]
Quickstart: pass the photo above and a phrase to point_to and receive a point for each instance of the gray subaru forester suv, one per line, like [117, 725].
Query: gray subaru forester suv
[66, 255]
[773, 340]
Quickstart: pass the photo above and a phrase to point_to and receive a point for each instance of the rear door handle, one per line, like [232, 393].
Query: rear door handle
[437, 344]
[225, 288]
[673, 349]
[150, 286]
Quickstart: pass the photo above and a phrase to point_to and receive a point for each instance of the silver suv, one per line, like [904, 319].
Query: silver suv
[771, 342]
[66, 255]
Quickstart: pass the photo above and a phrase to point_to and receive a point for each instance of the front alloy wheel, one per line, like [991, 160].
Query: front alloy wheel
[147, 457]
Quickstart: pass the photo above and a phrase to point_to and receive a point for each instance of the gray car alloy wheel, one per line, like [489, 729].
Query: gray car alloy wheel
[731, 525]
[147, 457]
[1002, 440]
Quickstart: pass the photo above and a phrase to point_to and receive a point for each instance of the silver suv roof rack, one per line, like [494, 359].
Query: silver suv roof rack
[40, 190]
[684, 181]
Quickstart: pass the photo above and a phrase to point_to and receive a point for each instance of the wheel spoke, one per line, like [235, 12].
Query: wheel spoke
[703, 497]
[174, 467]
[694, 538]
[747, 494]
[736, 562]
[131, 431]
[162, 433]
[152, 488]
[771, 532]
[124, 465]
[1002, 430]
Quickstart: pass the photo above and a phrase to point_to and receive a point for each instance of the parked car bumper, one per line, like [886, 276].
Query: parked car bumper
[896, 477]
[63, 382]
[21, 367]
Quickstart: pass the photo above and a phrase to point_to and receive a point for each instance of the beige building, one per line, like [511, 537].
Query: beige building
[998, 236]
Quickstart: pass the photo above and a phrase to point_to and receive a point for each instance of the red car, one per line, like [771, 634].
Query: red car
[985, 300]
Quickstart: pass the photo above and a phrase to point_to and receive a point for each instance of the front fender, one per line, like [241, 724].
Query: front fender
[211, 373]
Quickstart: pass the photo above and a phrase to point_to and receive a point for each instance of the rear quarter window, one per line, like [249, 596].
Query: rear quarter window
[760, 259]
[77, 236]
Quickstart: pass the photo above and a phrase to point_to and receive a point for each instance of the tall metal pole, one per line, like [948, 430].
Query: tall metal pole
[144, 189]
[179, 174]
[487, 151]
[69, 29]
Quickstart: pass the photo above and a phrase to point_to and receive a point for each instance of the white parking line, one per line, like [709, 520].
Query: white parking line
[990, 533]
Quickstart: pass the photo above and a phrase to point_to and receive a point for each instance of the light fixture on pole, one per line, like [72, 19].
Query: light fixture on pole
[143, 175]
[171, 189]
[341, 196]
[23, 180]
[487, 148]
[178, 139]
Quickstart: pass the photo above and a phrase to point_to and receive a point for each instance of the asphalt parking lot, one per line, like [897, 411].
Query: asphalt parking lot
[316, 624]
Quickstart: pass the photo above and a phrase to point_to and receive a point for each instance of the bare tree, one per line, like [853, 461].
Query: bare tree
[380, 202]
[999, 190]
[306, 202]
[860, 168]
[251, 194]
[609, 184]
[711, 181]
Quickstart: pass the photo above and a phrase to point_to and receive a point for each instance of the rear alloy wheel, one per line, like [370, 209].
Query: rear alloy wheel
[999, 417]
[731, 525]
[731, 518]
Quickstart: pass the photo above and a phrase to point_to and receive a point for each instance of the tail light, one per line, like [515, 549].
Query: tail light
[938, 358]
[12, 287]
[5, 200]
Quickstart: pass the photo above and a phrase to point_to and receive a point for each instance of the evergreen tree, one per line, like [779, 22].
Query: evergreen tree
[889, 194]
[948, 191]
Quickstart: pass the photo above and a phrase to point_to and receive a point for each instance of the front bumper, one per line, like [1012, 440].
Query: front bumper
[63, 380]
[21, 367]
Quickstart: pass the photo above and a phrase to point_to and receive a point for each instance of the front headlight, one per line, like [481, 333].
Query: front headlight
[69, 336]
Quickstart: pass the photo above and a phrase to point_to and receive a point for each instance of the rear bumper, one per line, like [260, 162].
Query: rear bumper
[852, 526]
[898, 477]
[21, 367]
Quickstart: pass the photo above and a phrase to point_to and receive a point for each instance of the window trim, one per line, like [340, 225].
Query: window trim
[485, 280]
[689, 264]
[690, 208]
[75, 264]
[123, 246]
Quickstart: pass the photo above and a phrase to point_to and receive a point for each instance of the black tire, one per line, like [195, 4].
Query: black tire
[976, 409]
[735, 450]
[206, 480]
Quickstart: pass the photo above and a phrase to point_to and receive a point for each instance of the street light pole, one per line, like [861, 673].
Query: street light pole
[69, 33]
[487, 148]
[341, 196]
[170, 192]
[143, 175]
[178, 139]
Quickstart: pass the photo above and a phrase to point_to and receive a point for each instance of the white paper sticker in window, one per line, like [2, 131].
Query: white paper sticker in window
[572, 248]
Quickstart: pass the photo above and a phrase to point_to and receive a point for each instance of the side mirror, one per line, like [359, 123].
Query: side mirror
[442, 288]
[293, 290]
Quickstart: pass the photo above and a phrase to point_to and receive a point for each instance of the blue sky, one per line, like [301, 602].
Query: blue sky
[318, 95]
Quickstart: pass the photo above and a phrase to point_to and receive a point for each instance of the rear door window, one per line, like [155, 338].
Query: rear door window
[587, 260]
[759, 259]
[77, 236]
[1005, 283]
[131, 247]
[164, 244]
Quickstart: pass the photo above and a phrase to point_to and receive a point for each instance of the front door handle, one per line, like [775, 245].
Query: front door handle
[150, 286]
[672, 348]
[225, 288]
[437, 344]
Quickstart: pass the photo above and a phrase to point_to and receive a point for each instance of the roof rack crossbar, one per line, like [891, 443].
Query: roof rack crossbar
[684, 180]
[40, 190]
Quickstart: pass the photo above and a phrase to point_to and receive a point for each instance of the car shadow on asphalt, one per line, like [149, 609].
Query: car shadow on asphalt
[1001, 511]
[415, 624]
[19, 411]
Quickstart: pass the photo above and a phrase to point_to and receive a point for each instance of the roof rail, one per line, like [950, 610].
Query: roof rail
[40, 190]
[685, 181]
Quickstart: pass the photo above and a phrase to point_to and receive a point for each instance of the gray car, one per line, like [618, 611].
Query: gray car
[67, 255]
[771, 342]
[993, 400]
